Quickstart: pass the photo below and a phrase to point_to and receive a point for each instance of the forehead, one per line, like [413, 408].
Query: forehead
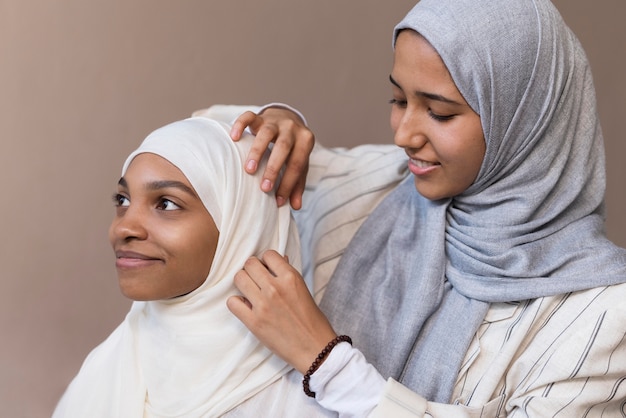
[153, 172]
[149, 164]
[418, 66]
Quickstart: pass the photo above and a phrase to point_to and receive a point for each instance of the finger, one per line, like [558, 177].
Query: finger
[277, 263]
[257, 271]
[295, 198]
[241, 308]
[293, 182]
[266, 135]
[245, 120]
[239, 299]
[254, 122]
[294, 178]
[246, 285]
[278, 158]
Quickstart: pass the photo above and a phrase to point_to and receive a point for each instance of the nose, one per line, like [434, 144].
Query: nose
[408, 130]
[128, 224]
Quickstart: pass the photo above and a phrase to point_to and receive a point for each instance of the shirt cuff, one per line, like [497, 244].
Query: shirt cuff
[346, 383]
[398, 401]
[284, 106]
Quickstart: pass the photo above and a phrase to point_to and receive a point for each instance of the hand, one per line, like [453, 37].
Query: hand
[293, 143]
[279, 310]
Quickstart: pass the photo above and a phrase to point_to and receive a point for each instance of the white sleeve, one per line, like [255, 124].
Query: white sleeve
[284, 106]
[225, 113]
[346, 383]
[398, 401]
[228, 113]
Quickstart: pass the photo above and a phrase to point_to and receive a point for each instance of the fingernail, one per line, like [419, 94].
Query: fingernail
[266, 186]
[251, 165]
[280, 200]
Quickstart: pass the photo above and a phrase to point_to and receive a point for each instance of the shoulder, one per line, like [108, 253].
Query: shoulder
[580, 331]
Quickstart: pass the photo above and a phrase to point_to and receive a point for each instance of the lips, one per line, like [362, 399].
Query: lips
[422, 168]
[132, 259]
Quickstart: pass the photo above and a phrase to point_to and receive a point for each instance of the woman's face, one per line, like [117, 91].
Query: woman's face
[163, 237]
[431, 120]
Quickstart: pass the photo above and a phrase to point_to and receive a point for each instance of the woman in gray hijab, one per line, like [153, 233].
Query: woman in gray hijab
[481, 282]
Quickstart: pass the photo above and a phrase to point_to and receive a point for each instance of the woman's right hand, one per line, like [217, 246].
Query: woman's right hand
[277, 307]
[293, 143]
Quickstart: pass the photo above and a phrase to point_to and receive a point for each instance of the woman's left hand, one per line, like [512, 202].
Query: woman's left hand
[279, 310]
[293, 143]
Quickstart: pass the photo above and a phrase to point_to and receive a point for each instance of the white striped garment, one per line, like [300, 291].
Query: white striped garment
[561, 356]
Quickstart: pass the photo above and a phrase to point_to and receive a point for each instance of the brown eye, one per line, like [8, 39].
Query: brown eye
[119, 200]
[166, 204]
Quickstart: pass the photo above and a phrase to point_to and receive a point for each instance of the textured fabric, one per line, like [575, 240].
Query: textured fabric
[189, 356]
[420, 275]
[562, 355]
[282, 399]
[572, 361]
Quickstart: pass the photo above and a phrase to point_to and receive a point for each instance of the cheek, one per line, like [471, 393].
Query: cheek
[474, 155]
[479, 149]
[200, 252]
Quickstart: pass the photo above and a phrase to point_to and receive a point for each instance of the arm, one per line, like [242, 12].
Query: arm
[278, 308]
[573, 360]
[556, 356]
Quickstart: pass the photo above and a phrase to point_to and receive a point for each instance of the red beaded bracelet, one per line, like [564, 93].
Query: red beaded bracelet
[318, 360]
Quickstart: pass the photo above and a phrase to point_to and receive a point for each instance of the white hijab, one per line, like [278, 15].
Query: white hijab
[189, 356]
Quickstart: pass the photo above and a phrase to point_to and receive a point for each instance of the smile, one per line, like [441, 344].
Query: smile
[129, 259]
[422, 163]
[421, 167]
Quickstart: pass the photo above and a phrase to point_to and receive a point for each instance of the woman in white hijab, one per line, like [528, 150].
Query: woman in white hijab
[483, 285]
[187, 218]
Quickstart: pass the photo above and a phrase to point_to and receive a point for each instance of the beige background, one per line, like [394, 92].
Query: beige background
[82, 82]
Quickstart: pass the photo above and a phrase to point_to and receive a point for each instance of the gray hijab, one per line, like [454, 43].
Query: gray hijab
[418, 278]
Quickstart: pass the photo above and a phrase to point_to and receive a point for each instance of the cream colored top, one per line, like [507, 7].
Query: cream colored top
[561, 356]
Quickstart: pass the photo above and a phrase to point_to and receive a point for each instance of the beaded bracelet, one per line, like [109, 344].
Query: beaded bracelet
[318, 360]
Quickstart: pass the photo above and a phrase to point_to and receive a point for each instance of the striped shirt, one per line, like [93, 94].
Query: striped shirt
[561, 356]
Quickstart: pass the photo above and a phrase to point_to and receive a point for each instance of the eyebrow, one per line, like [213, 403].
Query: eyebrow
[431, 96]
[162, 184]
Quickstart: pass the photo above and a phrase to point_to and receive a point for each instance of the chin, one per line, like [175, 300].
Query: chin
[428, 192]
[135, 296]
[434, 193]
[135, 293]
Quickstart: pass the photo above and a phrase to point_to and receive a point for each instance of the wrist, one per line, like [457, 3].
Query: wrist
[320, 359]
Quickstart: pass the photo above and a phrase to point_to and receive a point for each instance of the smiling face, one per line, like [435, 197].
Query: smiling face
[431, 120]
[163, 237]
